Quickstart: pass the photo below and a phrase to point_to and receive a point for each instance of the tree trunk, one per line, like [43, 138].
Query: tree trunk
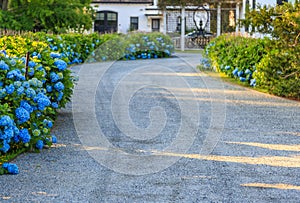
[4, 4]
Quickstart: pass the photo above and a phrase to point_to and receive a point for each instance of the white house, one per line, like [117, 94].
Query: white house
[144, 15]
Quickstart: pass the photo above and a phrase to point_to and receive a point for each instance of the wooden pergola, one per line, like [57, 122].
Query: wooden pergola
[240, 8]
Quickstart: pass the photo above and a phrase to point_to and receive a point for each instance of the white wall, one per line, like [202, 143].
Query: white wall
[266, 2]
[125, 11]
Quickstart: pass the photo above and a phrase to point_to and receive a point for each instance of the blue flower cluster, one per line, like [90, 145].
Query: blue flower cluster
[23, 103]
[148, 49]
[11, 168]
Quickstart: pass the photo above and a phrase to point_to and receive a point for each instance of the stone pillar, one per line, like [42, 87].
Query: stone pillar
[237, 16]
[182, 39]
[165, 21]
[219, 19]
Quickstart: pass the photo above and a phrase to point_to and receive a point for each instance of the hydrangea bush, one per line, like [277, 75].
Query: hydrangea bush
[134, 46]
[271, 63]
[31, 94]
[235, 56]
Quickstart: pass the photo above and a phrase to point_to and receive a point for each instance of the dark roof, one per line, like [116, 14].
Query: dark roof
[124, 1]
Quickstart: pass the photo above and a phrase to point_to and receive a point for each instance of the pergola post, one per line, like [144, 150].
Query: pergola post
[182, 38]
[243, 15]
[219, 19]
[237, 16]
[165, 21]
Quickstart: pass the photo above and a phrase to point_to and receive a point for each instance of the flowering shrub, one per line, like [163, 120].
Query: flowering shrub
[270, 63]
[30, 94]
[236, 56]
[134, 46]
[30, 97]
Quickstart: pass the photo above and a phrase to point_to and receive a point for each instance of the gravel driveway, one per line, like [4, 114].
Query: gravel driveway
[159, 131]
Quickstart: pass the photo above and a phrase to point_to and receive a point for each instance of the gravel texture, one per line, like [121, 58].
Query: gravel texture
[237, 145]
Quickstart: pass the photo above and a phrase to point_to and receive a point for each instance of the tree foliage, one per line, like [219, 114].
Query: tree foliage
[281, 22]
[46, 15]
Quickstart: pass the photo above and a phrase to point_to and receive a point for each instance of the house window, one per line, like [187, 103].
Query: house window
[106, 21]
[280, 2]
[134, 23]
[155, 25]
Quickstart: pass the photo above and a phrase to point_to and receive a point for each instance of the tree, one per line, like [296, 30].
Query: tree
[46, 15]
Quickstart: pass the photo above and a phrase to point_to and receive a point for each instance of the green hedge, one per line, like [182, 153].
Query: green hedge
[258, 62]
[271, 63]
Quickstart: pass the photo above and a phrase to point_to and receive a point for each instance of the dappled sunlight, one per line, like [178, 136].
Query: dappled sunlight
[57, 145]
[5, 197]
[187, 74]
[280, 147]
[280, 186]
[288, 133]
[210, 90]
[279, 161]
[247, 102]
[41, 193]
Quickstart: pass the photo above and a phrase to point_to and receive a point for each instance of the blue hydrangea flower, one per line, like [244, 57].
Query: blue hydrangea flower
[54, 77]
[31, 64]
[38, 114]
[54, 139]
[20, 90]
[39, 144]
[24, 135]
[240, 73]
[6, 121]
[60, 64]
[54, 48]
[253, 82]
[30, 93]
[17, 84]
[54, 105]
[3, 52]
[33, 82]
[3, 65]
[242, 79]
[75, 60]
[42, 101]
[235, 71]
[1, 84]
[22, 114]
[55, 55]
[31, 72]
[59, 86]
[16, 130]
[10, 89]
[11, 168]
[9, 133]
[13, 62]
[26, 84]
[5, 147]
[49, 88]
[15, 74]
[24, 104]
[60, 96]
[2, 93]
[247, 71]
[49, 124]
